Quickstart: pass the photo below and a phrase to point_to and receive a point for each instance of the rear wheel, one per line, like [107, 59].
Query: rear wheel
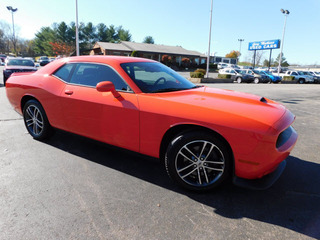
[198, 161]
[301, 81]
[239, 80]
[256, 80]
[36, 121]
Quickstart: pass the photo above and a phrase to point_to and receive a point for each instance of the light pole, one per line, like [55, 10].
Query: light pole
[12, 10]
[208, 57]
[240, 40]
[77, 30]
[286, 13]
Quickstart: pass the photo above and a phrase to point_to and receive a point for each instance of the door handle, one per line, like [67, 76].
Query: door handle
[68, 92]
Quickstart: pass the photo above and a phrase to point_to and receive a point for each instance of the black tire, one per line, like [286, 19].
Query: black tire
[191, 171]
[239, 79]
[36, 121]
[4, 80]
[301, 81]
[256, 80]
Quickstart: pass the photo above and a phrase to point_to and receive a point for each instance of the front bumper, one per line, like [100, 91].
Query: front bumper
[262, 183]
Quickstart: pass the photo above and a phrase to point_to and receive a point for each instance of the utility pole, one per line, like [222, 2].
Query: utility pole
[77, 30]
[286, 13]
[12, 10]
[208, 57]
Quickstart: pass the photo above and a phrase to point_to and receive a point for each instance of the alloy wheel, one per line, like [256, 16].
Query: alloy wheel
[200, 163]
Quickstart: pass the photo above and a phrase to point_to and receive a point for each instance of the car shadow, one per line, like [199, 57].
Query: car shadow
[292, 202]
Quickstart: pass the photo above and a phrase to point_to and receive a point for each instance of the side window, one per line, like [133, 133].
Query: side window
[294, 73]
[64, 72]
[91, 74]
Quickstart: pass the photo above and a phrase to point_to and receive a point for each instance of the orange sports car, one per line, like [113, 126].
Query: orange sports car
[203, 135]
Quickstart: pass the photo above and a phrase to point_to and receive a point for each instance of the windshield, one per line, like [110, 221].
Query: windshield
[307, 73]
[301, 73]
[20, 62]
[152, 77]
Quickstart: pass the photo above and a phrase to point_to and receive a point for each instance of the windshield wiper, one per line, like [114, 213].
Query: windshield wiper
[168, 90]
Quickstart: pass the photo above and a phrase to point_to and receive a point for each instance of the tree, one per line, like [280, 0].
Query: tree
[233, 54]
[284, 62]
[123, 35]
[64, 49]
[60, 38]
[166, 59]
[43, 39]
[148, 39]
[102, 35]
[6, 39]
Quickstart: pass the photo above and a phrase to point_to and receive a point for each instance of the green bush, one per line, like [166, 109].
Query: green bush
[196, 75]
[224, 76]
[212, 66]
[134, 54]
[201, 70]
[288, 78]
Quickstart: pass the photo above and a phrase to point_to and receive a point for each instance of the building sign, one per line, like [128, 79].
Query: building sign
[263, 45]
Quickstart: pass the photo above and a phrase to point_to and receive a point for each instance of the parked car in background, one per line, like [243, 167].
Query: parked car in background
[227, 65]
[237, 75]
[258, 76]
[316, 76]
[316, 79]
[314, 73]
[14, 65]
[44, 60]
[299, 76]
[273, 78]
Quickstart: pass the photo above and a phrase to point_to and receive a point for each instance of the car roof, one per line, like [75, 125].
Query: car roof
[108, 59]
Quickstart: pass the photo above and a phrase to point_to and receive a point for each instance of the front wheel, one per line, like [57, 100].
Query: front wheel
[256, 80]
[301, 81]
[36, 121]
[239, 80]
[198, 161]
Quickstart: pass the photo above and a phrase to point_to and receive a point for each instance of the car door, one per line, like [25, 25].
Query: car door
[99, 115]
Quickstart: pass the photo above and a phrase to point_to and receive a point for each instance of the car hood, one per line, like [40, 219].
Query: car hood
[223, 107]
[20, 67]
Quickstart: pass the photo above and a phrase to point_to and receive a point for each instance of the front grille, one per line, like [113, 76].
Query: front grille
[284, 136]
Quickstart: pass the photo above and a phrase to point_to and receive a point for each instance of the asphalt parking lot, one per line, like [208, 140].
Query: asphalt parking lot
[70, 187]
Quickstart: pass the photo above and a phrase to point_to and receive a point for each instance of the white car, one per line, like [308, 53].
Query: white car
[314, 73]
[300, 76]
[227, 65]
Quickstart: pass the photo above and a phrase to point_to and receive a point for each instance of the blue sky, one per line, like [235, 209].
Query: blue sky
[186, 22]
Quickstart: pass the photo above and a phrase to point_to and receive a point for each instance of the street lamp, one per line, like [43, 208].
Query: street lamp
[286, 13]
[77, 30]
[240, 40]
[208, 57]
[14, 39]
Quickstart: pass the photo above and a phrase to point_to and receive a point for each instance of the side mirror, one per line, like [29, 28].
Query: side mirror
[107, 86]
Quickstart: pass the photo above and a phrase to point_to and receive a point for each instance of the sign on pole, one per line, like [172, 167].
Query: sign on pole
[264, 45]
